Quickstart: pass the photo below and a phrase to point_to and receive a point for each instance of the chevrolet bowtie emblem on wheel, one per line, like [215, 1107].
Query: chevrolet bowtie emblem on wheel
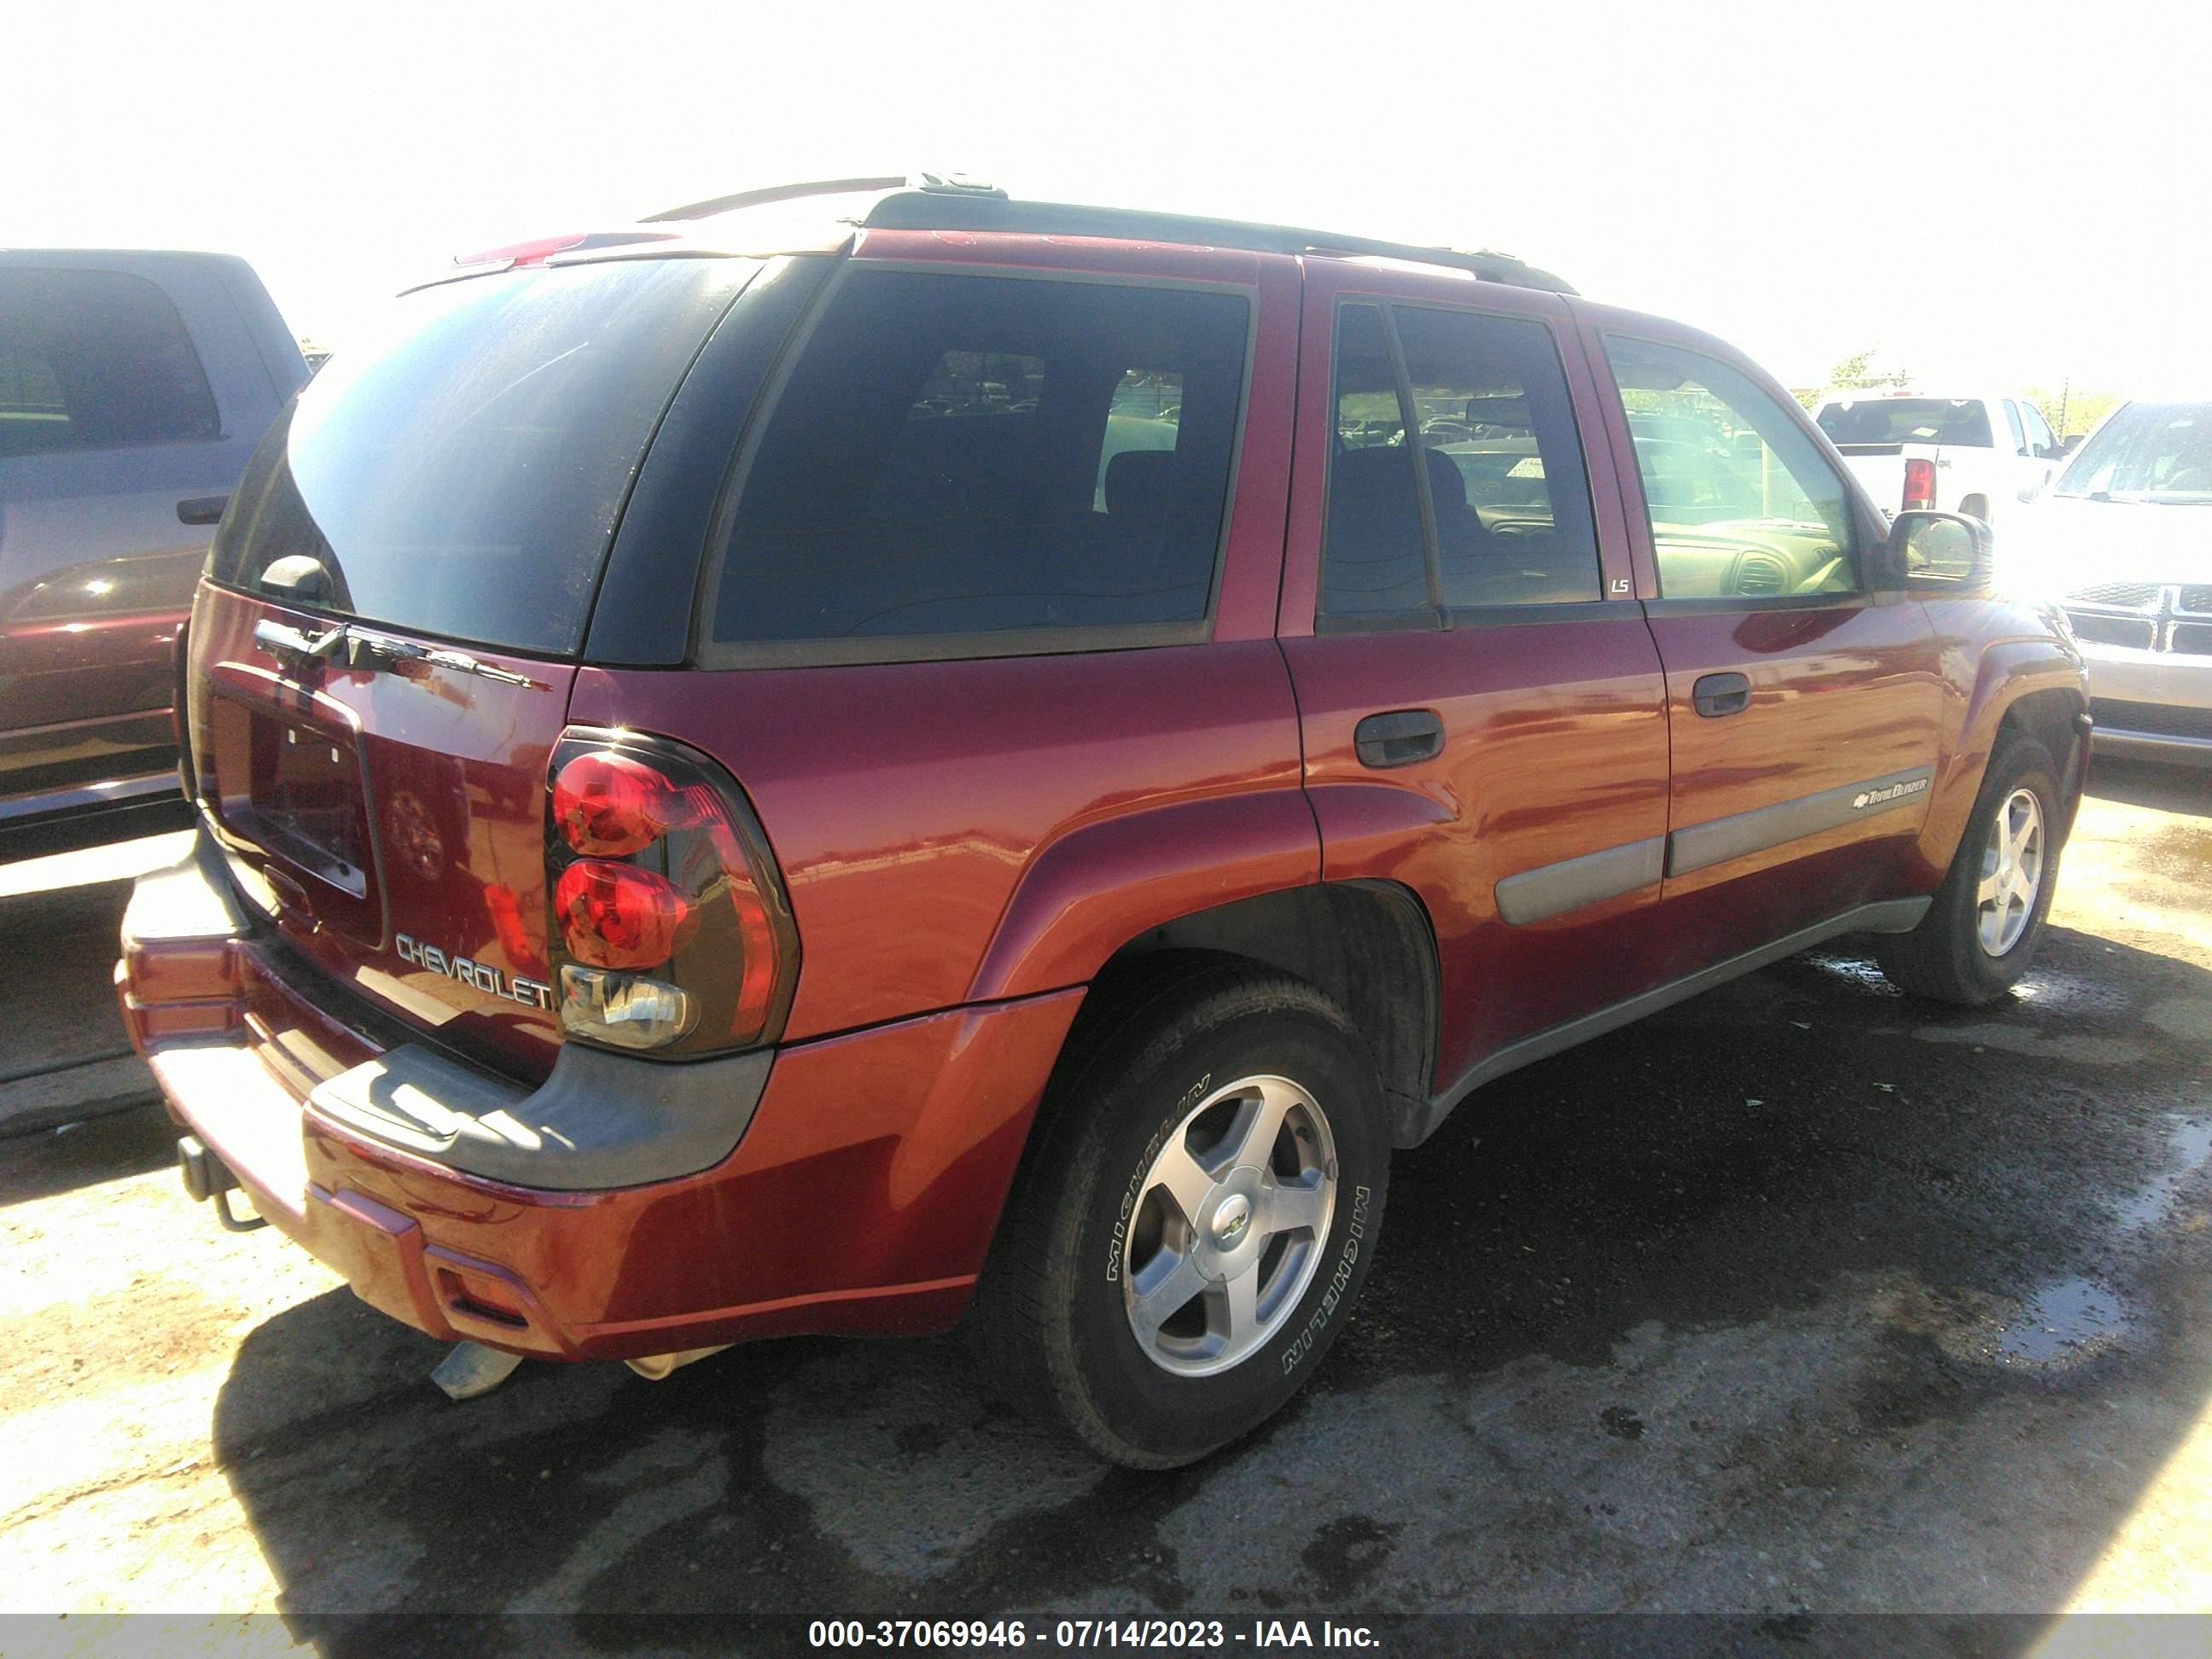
[1231, 1218]
[1867, 797]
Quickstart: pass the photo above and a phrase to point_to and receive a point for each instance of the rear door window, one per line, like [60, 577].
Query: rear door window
[1512, 509]
[2039, 441]
[462, 477]
[1374, 561]
[1479, 404]
[96, 360]
[983, 465]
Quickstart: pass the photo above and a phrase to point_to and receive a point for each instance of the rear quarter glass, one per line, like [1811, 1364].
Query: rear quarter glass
[462, 475]
[980, 463]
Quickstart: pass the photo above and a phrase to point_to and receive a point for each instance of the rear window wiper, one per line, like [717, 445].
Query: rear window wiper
[363, 650]
[381, 650]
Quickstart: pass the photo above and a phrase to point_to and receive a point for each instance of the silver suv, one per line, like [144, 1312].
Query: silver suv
[2122, 535]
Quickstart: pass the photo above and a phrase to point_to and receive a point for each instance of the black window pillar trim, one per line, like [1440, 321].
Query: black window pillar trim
[1430, 617]
[1410, 413]
[662, 542]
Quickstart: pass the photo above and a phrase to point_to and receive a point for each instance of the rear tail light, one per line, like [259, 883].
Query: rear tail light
[669, 929]
[1919, 483]
[626, 1010]
[617, 915]
[612, 803]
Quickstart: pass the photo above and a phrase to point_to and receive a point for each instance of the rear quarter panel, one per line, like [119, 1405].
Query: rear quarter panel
[951, 832]
[1882, 478]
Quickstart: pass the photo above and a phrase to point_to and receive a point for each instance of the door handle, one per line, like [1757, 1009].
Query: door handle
[1716, 694]
[1399, 739]
[201, 510]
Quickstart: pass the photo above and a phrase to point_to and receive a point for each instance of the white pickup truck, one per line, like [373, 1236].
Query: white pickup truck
[1979, 455]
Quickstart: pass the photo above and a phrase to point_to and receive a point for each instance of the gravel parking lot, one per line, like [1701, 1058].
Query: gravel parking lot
[1797, 1297]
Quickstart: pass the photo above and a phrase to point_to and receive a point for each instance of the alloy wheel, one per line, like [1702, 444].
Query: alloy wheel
[1229, 1226]
[2012, 873]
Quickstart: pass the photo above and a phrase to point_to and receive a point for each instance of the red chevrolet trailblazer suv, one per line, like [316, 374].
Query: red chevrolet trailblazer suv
[856, 756]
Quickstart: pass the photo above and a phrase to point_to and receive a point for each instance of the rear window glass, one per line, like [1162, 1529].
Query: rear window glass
[96, 360]
[463, 476]
[1908, 420]
[968, 455]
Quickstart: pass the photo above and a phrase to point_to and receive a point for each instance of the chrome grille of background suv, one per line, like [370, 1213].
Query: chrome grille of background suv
[2144, 616]
[2127, 596]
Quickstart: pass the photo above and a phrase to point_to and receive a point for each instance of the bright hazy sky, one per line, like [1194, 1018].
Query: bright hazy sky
[2012, 193]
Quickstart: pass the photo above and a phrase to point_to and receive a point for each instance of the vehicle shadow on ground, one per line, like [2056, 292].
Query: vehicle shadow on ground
[1783, 1272]
[64, 1056]
[106, 1148]
[2165, 788]
[68, 941]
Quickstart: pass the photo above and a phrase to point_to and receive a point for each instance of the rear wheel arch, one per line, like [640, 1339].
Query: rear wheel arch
[1367, 946]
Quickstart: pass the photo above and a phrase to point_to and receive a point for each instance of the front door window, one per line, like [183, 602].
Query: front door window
[1742, 504]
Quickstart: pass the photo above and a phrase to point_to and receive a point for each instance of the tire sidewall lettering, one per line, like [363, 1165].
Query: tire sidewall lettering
[1091, 1369]
[1117, 1235]
[1355, 1230]
[1355, 1223]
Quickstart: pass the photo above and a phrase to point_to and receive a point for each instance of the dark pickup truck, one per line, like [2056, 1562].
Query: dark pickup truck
[851, 758]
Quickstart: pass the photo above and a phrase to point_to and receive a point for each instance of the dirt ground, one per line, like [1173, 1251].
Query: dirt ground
[1798, 1298]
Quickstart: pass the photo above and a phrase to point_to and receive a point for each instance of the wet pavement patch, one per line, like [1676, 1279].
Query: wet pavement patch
[2183, 851]
[2070, 1320]
[1346, 1553]
[2189, 1148]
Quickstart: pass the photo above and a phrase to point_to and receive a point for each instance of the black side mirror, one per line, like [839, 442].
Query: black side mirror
[2073, 442]
[1941, 552]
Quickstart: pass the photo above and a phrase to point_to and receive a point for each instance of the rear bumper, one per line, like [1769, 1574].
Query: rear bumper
[859, 1196]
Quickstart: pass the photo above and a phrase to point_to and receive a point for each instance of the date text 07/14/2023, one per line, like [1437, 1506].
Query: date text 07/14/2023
[1164, 1634]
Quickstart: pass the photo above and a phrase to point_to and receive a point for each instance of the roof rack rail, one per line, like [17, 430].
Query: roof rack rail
[949, 201]
[950, 184]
